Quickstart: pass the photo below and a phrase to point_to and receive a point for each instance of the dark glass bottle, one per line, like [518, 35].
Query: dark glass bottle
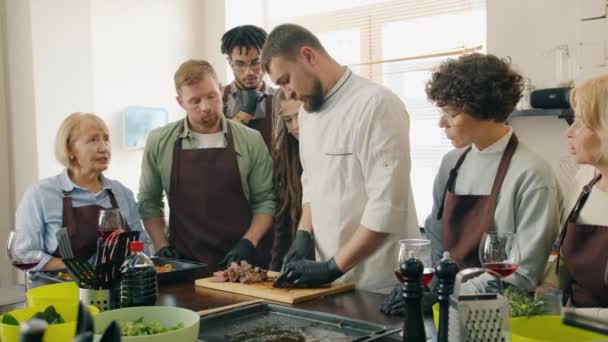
[139, 282]
[413, 325]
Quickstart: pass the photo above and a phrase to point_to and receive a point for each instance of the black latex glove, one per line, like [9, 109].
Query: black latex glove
[243, 250]
[249, 101]
[394, 304]
[310, 274]
[168, 252]
[299, 248]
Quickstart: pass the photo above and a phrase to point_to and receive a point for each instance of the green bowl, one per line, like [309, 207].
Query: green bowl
[166, 315]
[544, 328]
[548, 328]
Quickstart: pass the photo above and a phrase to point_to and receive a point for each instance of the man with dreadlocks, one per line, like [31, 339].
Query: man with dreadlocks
[247, 99]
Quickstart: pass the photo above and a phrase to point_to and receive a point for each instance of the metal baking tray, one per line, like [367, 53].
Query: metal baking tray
[185, 271]
[265, 322]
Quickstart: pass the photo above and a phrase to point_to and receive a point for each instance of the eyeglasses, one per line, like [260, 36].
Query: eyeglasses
[448, 116]
[242, 66]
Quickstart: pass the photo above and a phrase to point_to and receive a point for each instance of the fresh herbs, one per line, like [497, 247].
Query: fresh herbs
[522, 304]
[8, 319]
[139, 327]
[49, 315]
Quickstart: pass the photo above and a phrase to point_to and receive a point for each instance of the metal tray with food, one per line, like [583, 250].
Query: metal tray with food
[270, 322]
[169, 271]
[177, 270]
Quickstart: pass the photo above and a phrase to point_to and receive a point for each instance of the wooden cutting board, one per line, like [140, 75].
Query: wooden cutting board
[267, 291]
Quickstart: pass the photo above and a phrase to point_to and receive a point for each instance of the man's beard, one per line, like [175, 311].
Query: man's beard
[314, 102]
[242, 83]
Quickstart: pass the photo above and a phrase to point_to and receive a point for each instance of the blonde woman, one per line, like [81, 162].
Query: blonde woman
[584, 238]
[73, 198]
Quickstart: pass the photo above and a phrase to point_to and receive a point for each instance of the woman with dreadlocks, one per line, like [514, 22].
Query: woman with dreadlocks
[287, 171]
[247, 99]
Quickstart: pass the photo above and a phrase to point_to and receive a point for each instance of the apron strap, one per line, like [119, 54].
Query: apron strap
[68, 211]
[574, 214]
[112, 199]
[451, 181]
[504, 165]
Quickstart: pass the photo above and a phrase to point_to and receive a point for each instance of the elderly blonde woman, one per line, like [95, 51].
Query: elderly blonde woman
[73, 198]
[584, 238]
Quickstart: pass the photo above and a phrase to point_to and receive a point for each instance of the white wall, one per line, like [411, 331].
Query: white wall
[135, 51]
[528, 32]
[6, 210]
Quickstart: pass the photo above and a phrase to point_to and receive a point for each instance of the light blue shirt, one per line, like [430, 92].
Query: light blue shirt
[41, 209]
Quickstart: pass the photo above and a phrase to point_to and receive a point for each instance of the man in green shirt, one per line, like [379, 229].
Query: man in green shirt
[216, 174]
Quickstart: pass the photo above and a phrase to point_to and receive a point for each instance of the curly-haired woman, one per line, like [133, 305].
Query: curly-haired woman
[490, 182]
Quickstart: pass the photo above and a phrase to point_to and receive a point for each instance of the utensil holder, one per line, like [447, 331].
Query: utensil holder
[102, 299]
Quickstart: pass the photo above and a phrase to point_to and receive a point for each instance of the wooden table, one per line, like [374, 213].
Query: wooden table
[360, 305]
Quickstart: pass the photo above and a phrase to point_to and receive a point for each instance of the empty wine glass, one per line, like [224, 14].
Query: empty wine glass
[421, 249]
[24, 251]
[499, 253]
[110, 220]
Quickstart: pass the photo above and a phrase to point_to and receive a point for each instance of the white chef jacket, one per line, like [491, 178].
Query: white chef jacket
[355, 154]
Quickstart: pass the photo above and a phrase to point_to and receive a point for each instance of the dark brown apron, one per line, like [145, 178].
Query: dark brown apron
[466, 217]
[263, 125]
[81, 224]
[209, 212]
[585, 248]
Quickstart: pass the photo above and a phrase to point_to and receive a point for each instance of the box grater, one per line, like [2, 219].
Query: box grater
[478, 317]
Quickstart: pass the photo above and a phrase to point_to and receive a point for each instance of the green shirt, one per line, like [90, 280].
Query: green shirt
[255, 167]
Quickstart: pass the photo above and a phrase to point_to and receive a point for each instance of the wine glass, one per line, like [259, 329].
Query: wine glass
[110, 220]
[421, 249]
[499, 253]
[24, 251]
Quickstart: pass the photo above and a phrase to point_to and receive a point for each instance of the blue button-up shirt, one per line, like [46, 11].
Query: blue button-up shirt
[41, 209]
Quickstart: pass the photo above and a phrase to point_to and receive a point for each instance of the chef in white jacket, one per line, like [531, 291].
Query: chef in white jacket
[354, 148]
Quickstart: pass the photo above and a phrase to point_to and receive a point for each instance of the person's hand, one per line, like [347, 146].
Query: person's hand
[249, 101]
[243, 250]
[299, 248]
[310, 274]
[394, 304]
[168, 252]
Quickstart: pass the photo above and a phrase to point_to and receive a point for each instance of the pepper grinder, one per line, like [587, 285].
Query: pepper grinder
[413, 325]
[445, 272]
[32, 330]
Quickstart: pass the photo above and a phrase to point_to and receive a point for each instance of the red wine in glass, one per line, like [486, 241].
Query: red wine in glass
[25, 266]
[502, 268]
[104, 234]
[427, 276]
[399, 276]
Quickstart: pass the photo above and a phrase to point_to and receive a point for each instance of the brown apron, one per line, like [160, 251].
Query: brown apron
[585, 248]
[467, 217]
[209, 212]
[81, 224]
[263, 125]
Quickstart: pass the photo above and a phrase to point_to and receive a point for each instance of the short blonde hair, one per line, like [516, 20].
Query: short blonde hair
[191, 71]
[590, 100]
[69, 131]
